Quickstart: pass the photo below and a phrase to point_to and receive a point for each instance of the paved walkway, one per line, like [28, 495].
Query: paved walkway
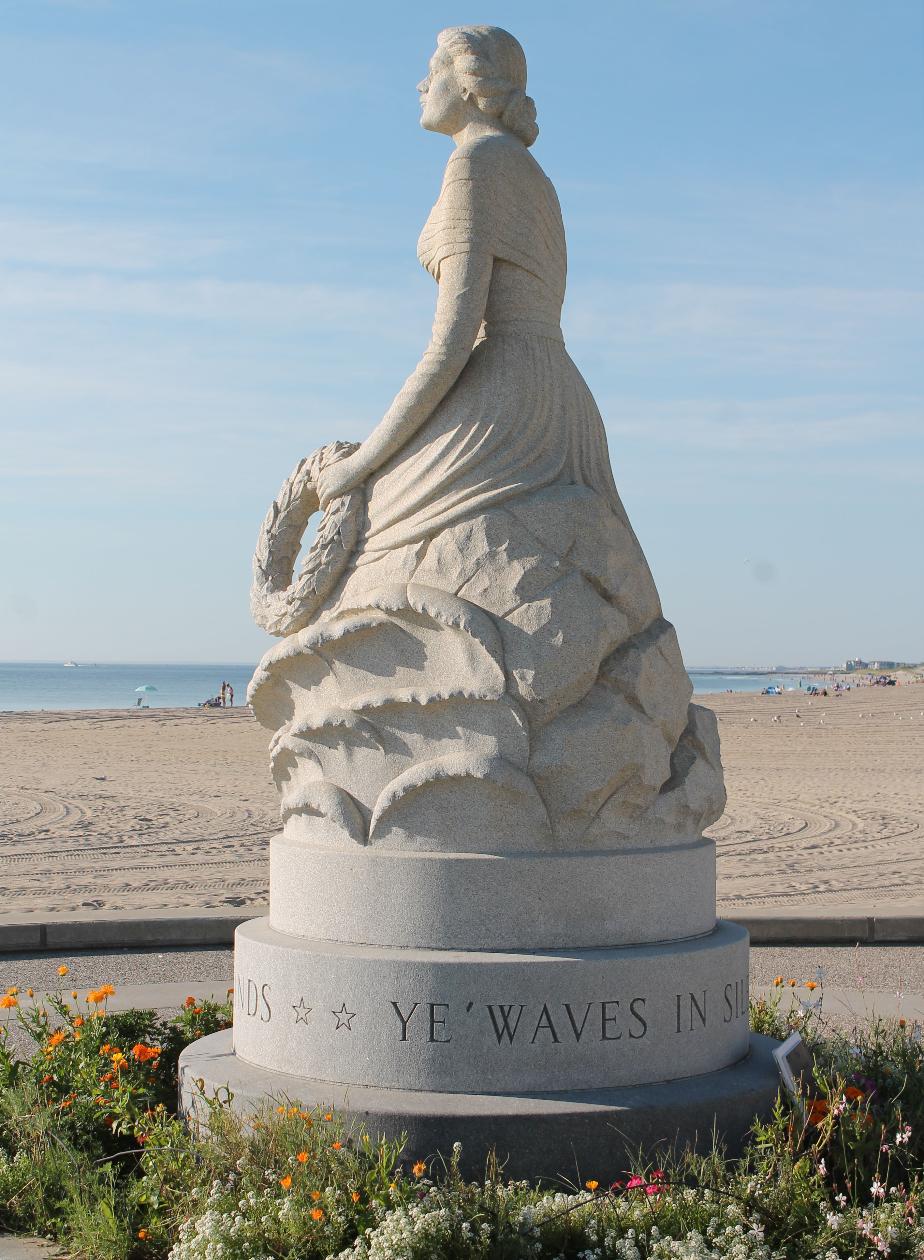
[12, 1248]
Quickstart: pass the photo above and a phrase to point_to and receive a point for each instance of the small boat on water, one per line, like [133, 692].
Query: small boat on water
[71, 665]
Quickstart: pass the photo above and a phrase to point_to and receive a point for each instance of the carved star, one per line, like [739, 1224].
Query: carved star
[343, 1017]
[301, 1012]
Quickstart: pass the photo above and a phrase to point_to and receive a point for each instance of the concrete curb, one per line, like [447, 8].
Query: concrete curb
[124, 929]
[171, 929]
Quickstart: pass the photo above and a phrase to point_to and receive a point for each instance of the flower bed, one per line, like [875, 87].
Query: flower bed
[92, 1153]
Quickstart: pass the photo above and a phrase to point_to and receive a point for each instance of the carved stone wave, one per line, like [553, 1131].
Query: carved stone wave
[508, 684]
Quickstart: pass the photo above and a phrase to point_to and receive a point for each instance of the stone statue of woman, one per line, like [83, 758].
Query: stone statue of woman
[474, 657]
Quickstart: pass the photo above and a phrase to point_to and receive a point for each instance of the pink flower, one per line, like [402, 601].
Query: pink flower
[634, 1183]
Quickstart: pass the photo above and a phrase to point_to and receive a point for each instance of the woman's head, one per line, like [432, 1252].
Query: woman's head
[482, 66]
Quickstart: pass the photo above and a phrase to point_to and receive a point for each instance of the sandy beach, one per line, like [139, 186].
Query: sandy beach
[173, 808]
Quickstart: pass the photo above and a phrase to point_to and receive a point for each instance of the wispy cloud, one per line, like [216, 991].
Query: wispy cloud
[89, 245]
[814, 423]
[329, 306]
[746, 325]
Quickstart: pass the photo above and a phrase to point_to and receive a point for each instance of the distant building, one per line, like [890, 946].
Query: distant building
[856, 663]
[886, 664]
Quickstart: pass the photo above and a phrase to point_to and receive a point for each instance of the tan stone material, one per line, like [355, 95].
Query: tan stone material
[475, 636]
[492, 874]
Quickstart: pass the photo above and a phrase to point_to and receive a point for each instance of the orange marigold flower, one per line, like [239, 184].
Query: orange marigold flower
[56, 1038]
[328, 1116]
[8, 1001]
[117, 1056]
[145, 1053]
[853, 1093]
[811, 985]
[104, 1049]
[317, 1214]
[316, 1194]
[336, 1146]
[30, 993]
[107, 990]
[190, 1001]
[419, 1168]
[13, 990]
[143, 1234]
[591, 1185]
[816, 1110]
[281, 1111]
[777, 980]
[355, 1196]
[792, 983]
[903, 1023]
[79, 1022]
[67, 1102]
[302, 1157]
[46, 1078]
[63, 969]
[285, 1181]
[73, 993]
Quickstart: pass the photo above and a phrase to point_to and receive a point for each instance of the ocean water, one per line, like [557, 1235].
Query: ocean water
[89, 686]
[98, 686]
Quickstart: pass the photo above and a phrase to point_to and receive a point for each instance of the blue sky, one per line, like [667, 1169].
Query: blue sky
[208, 219]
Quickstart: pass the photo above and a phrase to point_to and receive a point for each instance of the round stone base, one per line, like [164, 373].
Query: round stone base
[464, 1021]
[572, 1135]
[498, 901]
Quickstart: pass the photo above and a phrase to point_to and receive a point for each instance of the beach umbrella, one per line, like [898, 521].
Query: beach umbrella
[146, 687]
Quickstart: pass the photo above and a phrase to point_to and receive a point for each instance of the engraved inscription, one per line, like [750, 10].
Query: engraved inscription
[252, 1000]
[510, 1024]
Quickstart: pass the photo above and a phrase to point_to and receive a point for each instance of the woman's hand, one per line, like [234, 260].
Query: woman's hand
[338, 478]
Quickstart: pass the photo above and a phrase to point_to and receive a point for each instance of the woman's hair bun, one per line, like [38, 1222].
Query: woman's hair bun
[519, 116]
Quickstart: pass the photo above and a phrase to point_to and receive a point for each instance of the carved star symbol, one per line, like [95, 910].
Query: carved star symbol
[343, 1017]
[301, 1012]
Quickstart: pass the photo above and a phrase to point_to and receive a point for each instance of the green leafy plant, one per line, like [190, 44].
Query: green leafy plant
[93, 1153]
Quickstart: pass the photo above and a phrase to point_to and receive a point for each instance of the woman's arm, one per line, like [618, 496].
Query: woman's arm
[463, 295]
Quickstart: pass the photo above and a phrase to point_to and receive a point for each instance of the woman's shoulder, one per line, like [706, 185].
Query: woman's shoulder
[487, 157]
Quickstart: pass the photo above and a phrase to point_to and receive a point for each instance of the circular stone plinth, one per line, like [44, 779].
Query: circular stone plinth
[576, 900]
[467, 1021]
[572, 1134]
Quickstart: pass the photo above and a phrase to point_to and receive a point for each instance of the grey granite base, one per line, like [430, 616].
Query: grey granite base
[563, 1135]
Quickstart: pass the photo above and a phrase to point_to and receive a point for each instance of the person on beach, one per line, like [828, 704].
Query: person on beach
[224, 692]
[230, 695]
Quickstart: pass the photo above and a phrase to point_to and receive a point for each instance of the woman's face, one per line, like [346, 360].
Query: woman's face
[442, 106]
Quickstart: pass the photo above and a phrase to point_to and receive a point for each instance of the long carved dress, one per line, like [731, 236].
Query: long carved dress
[493, 672]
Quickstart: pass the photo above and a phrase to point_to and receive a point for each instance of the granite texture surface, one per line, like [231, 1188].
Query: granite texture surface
[572, 1134]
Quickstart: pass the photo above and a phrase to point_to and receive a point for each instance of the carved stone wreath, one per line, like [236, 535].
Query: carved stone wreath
[279, 604]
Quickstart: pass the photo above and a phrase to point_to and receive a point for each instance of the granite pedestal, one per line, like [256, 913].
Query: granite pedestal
[501, 1033]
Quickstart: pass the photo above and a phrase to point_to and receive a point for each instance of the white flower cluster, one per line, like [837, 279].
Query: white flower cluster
[423, 1230]
[420, 1232]
[225, 1233]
